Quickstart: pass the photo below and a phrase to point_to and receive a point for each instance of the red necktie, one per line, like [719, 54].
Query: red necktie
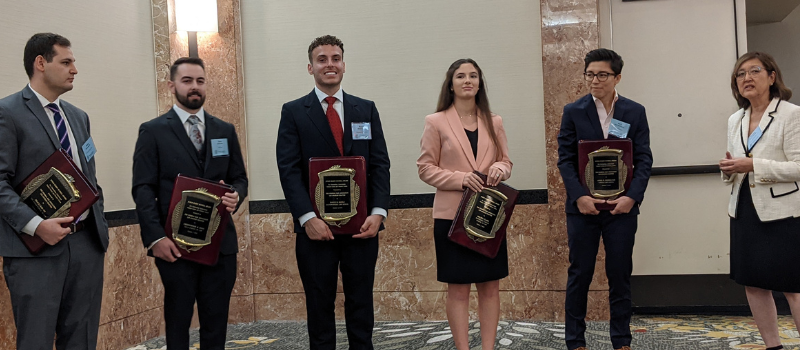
[335, 123]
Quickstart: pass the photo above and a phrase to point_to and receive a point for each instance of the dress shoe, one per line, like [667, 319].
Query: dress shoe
[624, 348]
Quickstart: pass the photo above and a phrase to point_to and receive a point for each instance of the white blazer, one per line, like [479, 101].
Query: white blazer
[776, 161]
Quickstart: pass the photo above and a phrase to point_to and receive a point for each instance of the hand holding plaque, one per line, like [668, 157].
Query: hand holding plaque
[482, 218]
[338, 190]
[197, 218]
[56, 189]
[606, 168]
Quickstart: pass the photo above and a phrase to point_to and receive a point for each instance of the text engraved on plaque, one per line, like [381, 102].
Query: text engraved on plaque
[51, 195]
[336, 195]
[606, 173]
[196, 218]
[485, 214]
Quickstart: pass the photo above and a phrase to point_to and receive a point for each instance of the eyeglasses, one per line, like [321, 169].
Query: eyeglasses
[740, 75]
[603, 76]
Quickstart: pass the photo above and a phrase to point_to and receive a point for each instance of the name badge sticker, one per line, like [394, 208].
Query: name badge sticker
[619, 128]
[362, 131]
[219, 148]
[89, 150]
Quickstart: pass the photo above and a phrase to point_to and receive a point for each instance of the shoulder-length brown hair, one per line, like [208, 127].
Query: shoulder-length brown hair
[778, 89]
[446, 98]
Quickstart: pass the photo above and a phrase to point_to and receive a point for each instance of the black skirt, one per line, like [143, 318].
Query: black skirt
[764, 254]
[456, 264]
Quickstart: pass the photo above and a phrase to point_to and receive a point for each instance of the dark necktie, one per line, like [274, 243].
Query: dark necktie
[336, 124]
[61, 128]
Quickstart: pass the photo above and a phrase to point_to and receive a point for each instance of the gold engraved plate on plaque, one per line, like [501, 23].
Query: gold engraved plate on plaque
[606, 173]
[195, 219]
[485, 214]
[337, 195]
[51, 194]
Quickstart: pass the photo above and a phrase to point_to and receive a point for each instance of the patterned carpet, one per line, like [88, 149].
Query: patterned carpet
[649, 332]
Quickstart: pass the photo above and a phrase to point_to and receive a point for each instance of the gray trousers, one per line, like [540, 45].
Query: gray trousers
[58, 297]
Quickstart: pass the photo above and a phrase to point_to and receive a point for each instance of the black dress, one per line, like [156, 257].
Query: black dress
[764, 254]
[456, 264]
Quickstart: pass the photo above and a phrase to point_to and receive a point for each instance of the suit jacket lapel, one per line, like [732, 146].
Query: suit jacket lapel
[461, 136]
[36, 108]
[484, 140]
[744, 129]
[318, 118]
[594, 118]
[349, 110]
[77, 134]
[180, 132]
[213, 131]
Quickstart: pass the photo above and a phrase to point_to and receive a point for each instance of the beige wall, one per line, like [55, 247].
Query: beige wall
[781, 41]
[113, 44]
[679, 61]
[396, 54]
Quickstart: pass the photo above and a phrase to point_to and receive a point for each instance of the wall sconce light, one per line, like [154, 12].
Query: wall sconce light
[195, 16]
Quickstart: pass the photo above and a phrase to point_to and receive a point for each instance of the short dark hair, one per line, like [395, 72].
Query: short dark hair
[325, 40]
[188, 60]
[604, 55]
[776, 90]
[42, 44]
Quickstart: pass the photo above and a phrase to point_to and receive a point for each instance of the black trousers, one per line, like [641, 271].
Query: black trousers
[618, 233]
[186, 282]
[58, 296]
[319, 263]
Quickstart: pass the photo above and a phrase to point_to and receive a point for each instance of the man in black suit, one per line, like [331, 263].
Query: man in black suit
[180, 142]
[56, 293]
[320, 125]
[601, 115]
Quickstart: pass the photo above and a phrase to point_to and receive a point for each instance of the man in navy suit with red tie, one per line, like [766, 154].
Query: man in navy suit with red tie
[321, 124]
[603, 114]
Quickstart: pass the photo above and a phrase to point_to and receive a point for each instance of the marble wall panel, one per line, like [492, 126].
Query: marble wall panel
[274, 262]
[242, 309]
[131, 282]
[281, 306]
[8, 332]
[407, 258]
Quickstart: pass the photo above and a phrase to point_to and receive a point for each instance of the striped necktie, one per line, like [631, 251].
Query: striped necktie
[61, 128]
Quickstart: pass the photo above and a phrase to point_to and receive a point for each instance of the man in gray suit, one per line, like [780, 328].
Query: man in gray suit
[55, 294]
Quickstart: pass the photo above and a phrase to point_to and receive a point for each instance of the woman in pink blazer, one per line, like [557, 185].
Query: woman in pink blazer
[461, 137]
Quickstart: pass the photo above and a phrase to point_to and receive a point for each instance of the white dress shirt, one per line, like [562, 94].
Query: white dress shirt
[339, 110]
[30, 227]
[605, 116]
[184, 116]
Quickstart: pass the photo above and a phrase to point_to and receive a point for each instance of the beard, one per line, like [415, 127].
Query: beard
[191, 104]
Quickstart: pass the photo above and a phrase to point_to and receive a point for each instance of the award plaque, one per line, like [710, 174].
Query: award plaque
[56, 189]
[482, 218]
[606, 168]
[197, 219]
[338, 190]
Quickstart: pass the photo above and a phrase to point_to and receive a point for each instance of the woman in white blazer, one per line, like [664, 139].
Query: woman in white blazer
[763, 165]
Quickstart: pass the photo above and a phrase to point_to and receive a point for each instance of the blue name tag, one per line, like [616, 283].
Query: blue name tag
[619, 128]
[89, 150]
[361, 131]
[219, 148]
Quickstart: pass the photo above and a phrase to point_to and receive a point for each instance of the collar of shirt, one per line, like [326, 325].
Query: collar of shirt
[184, 115]
[321, 95]
[45, 102]
[599, 103]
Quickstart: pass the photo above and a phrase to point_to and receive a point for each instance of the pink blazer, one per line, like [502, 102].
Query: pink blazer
[446, 157]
